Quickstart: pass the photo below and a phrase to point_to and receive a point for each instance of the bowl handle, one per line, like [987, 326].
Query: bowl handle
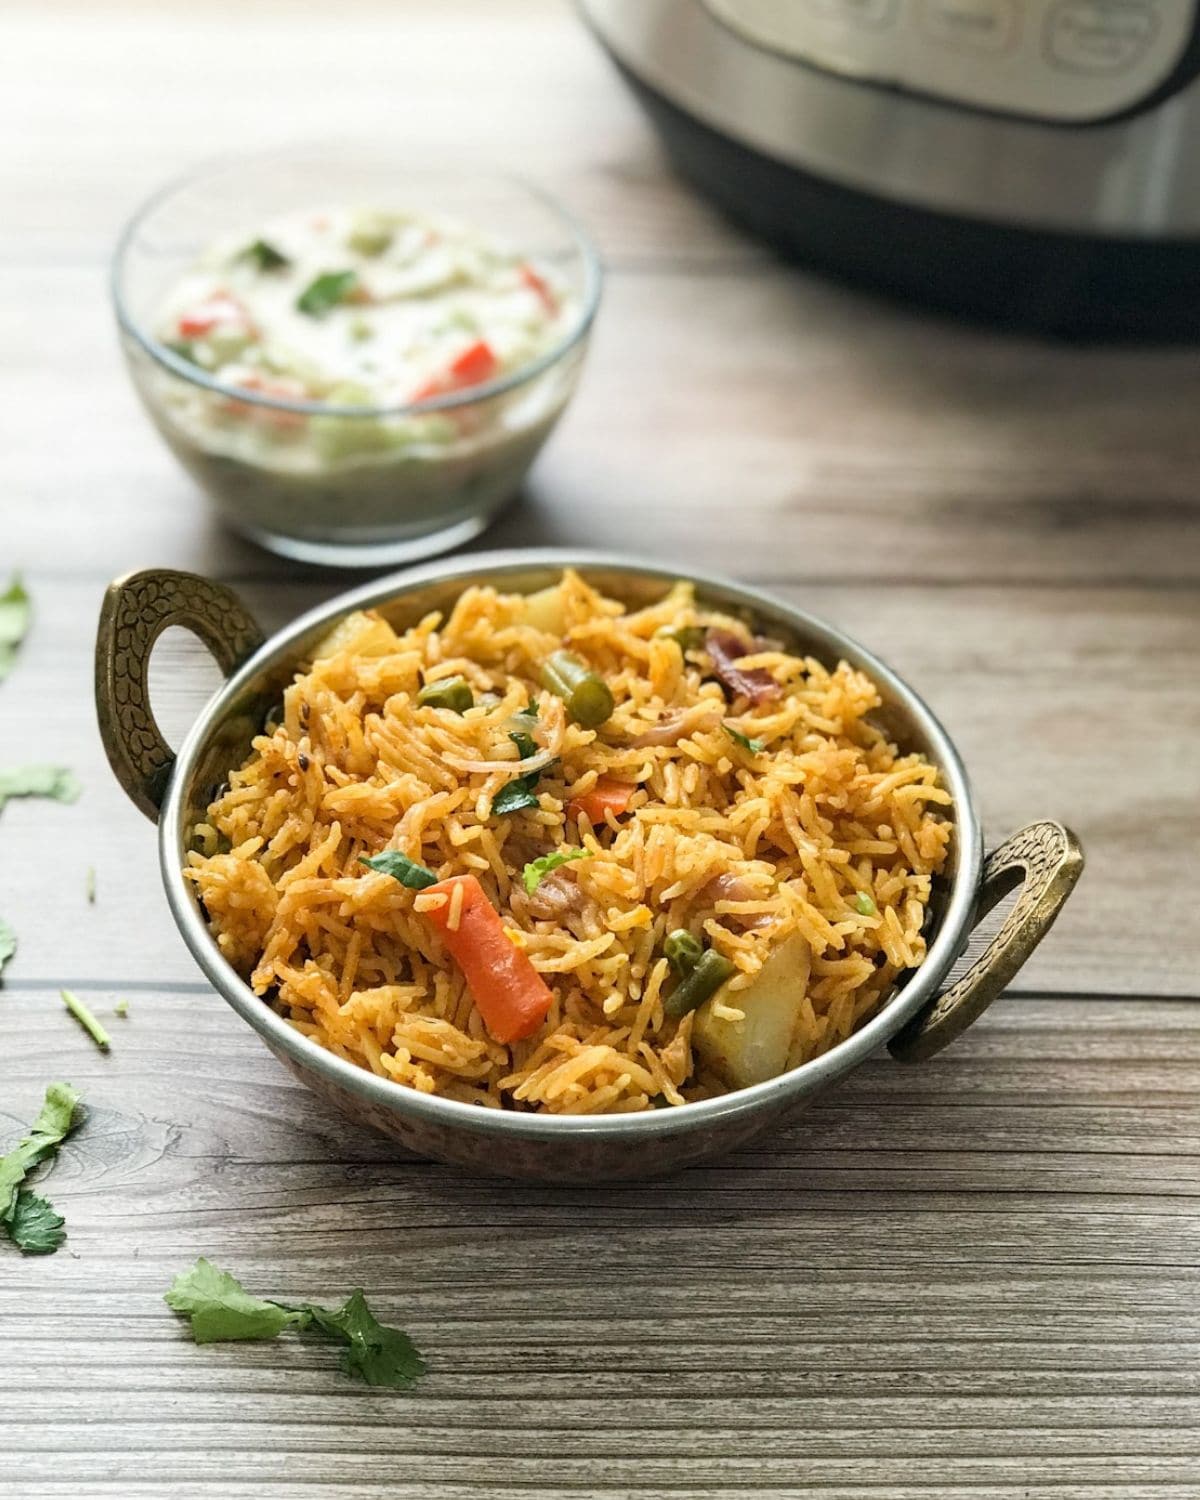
[136, 611]
[1046, 860]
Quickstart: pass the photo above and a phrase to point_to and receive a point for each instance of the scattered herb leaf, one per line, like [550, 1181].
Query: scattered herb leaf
[34, 1225]
[39, 781]
[407, 871]
[265, 256]
[376, 1353]
[323, 294]
[87, 1020]
[8, 943]
[864, 905]
[30, 1223]
[221, 1309]
[516, 794]
[744, 740]
[525, 743]
[532, 708]
[537, 868]
[14, 622]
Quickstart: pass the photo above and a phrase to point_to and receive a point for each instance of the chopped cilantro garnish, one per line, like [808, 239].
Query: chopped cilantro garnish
[537, 868]
[265, 256]
[220, 1309]
[14, 622]
[744, 740]
[516, 794]
[525, 743]
[407, 871]
[323, 294]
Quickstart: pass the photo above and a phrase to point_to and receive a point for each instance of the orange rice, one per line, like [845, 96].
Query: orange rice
[743, 849]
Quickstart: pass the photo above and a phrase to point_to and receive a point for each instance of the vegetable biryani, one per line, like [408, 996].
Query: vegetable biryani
[552, 854]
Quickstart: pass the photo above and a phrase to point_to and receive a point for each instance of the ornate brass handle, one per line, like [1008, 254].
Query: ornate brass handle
[136, 611]
[1047, 860]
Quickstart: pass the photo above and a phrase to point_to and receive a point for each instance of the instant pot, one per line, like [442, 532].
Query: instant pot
[1033, 162]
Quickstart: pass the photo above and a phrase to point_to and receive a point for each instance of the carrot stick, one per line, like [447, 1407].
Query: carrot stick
[509, 993]
[604, 795]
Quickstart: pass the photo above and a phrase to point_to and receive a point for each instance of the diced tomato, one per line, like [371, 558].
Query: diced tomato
[282, 387]
[541, 287]
[219, 311]
[475, 365]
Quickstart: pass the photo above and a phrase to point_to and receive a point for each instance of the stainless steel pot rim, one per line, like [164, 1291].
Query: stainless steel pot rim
[922, 986]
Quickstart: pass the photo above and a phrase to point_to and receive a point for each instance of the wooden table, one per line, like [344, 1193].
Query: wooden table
[973, 1278]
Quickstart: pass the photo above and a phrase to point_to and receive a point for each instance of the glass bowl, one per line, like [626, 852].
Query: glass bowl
[350, 486]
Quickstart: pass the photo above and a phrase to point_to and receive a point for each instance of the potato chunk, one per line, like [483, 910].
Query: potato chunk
[756, 1048]
[544, 610]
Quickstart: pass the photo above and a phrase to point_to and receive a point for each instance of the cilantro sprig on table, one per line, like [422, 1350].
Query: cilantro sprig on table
[220, 1310]
[31, 1222]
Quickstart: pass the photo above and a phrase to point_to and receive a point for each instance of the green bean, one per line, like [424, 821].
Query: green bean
[700, 985]
[682, 951]
[687, 637]
[447, 692]
[588, 697]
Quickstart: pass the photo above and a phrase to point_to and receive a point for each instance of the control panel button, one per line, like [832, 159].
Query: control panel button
[987, 27]
[872, 13]
[1098, 36]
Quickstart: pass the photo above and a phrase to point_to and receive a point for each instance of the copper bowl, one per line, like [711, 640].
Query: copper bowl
[919, 1018]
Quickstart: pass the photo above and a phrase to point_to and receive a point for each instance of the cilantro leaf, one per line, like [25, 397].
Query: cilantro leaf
[416, 877]
[55, 1121]
[516, 794]
[324, 293]
[374, 1352]
[264, 255]
[14, 622]
[39, 781]
[222, 1310]
[744, 740]
[525, 743]
[537, 868]
[8, 943]
[34, 1226]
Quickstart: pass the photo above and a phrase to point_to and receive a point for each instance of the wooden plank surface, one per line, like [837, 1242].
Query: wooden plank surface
[983, 1268]
[971, 1280]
